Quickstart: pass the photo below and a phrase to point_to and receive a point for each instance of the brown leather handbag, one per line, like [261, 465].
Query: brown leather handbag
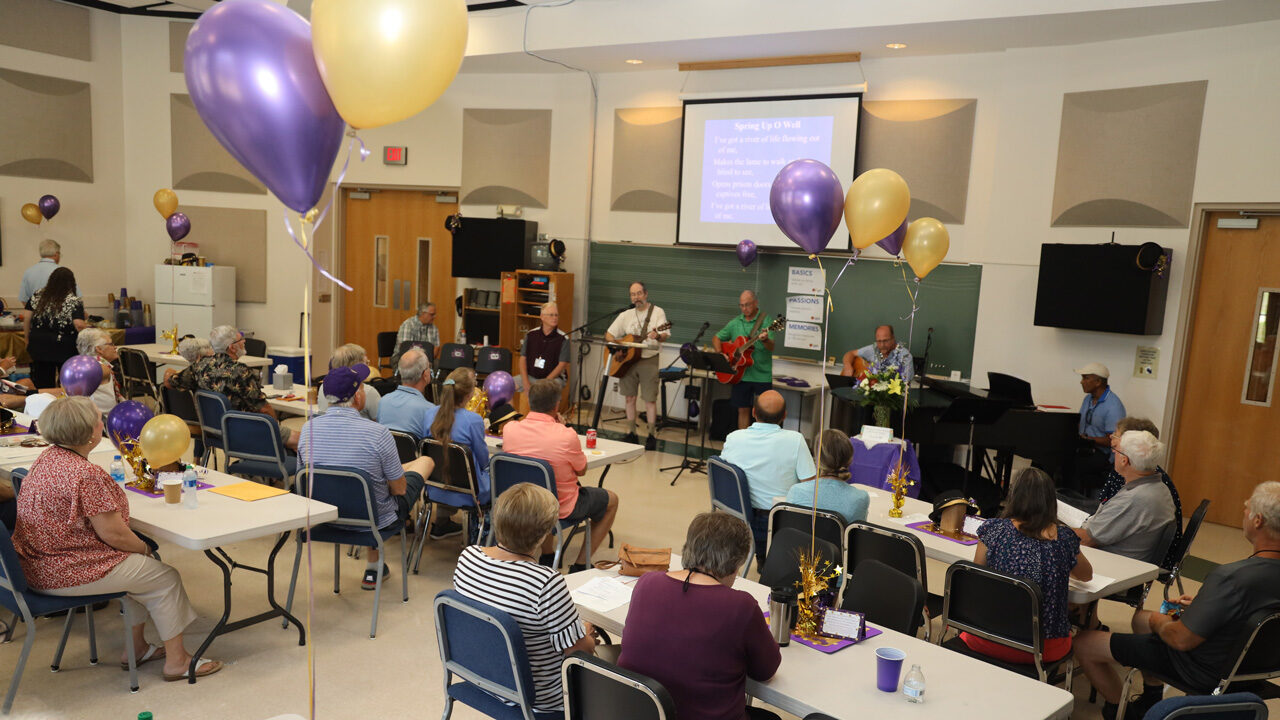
[636, 561]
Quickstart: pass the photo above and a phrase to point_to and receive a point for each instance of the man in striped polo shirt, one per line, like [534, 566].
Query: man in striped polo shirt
[343, 437]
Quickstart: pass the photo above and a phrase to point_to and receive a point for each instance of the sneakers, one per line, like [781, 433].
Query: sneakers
[445, 529]
[370, 580]
[651, 443]
[631, 438]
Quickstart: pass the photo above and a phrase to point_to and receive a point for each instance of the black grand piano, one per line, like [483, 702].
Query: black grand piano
[1048, 438]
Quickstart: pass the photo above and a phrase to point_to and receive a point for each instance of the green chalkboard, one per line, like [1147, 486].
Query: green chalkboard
[695, 285]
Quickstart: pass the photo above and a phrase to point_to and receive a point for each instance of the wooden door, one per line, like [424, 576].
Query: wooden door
[397, 254]
[1229, 413]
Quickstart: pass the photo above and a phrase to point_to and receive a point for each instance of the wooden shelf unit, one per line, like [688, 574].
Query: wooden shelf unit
[519, 303]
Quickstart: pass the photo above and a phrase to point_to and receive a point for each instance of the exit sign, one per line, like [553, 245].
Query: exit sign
[395, 155]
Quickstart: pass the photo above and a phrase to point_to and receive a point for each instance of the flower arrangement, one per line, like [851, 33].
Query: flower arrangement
[883, 391]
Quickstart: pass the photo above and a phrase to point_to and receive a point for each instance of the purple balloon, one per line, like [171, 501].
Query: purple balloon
[81, 375]
[125, 421]
[500, 387]
[893, 243]
[746, 253]
[49, 206]
[178, 226]
[253, 79]
[807, 202]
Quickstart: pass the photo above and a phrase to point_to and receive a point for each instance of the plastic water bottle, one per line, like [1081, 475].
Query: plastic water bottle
[189, 485]
[913, 685]
[117, 470]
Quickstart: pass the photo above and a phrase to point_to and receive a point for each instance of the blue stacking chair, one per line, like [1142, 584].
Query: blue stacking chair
[29, 604]
[509, 469]
[252, 444]
[349, 490]
[729, 493]
[484, 648]
[210, 407]
[16, 476]
[1233, 706]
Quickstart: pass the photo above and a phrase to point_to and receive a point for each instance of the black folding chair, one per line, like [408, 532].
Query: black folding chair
[407, 445]
[255, 347]
[1003, 609]
[781, 565]
[898, 549]
[594, 688]
[886, 597]
[386, 349]
[137, 374]
[492, 359]
[829, 525]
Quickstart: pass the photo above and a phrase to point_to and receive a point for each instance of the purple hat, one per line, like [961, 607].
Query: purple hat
[341, 384]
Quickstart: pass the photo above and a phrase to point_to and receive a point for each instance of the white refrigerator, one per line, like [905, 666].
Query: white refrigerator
[196, 299]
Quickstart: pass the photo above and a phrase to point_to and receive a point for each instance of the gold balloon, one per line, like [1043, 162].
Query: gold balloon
[876, 205]
[31, 213]
[385, 60]
[926, 245]
[166, 202]
[164, 439]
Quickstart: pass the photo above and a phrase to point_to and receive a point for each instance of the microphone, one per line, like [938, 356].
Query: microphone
[701, 330]
[624, 308]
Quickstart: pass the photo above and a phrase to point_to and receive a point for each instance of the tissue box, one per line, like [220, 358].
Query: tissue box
[282, 381]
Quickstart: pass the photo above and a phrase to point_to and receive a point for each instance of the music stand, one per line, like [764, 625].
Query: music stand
[972, 411]
[708, 362]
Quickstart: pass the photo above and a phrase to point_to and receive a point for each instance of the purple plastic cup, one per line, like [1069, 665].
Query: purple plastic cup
[888, 668]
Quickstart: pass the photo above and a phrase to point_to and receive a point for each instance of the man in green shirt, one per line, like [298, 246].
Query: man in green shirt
[759, 377]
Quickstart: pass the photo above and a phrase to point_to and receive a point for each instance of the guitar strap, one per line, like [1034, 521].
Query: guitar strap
[644, 329]
[756, 327]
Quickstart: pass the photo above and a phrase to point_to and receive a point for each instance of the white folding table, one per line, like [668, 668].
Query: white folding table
[603, 455]
[1125, 572]
[843, 682]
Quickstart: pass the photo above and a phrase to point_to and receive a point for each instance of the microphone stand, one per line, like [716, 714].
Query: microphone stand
[584, 335]
[666, 422]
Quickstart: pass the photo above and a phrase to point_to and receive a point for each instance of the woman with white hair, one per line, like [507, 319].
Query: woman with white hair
[1137, 521]
[96, 343]
[193, 348]
[73, 538]
[350, 355]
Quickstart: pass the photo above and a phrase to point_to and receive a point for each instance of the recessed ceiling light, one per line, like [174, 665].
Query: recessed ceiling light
[896, 46]
[633, 61]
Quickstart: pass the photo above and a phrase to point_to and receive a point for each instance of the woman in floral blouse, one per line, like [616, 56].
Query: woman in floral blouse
[56, 315]
[73, 538]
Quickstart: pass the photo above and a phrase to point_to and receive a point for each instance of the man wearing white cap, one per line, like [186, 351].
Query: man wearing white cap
[1099, 413]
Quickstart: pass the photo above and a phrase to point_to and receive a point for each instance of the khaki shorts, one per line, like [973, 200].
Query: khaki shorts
[642, 376]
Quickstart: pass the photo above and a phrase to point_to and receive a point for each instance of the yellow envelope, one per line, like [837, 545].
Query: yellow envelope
[248, 491]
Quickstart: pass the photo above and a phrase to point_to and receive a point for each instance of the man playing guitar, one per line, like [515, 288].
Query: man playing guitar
[642, 378]
[749, 325]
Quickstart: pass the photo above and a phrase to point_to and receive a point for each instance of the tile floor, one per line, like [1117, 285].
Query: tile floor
[396, 675]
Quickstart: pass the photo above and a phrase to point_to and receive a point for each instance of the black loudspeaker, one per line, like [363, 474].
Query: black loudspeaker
[1107, 288]
[724, 419]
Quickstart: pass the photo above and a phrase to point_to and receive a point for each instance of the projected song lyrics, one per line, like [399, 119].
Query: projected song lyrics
[741, 158]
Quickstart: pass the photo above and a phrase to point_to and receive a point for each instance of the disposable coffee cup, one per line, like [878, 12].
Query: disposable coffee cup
[172, 491]
[888, 668]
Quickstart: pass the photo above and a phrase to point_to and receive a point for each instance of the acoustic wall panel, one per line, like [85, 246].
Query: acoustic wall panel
[929, 143]
[45, 26]
[646, 159]
[234, 237]
[1127, 157]
[506, 157]
[199, 161]
[46, 127]
[178, 32]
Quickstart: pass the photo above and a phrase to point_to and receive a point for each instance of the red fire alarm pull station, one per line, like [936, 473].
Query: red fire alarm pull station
[395, 155]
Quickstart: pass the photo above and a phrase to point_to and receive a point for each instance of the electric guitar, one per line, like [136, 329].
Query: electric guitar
[739, 352]
[620, 361]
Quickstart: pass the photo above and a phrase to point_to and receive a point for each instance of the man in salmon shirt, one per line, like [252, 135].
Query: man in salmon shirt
[542, 435]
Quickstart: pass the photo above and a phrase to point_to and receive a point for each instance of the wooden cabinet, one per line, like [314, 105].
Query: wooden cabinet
[521, 297]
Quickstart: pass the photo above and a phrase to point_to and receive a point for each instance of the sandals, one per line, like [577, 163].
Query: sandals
[206, 668]
[154, 652]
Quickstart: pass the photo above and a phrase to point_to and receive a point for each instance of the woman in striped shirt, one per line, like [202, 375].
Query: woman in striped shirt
[508, 577]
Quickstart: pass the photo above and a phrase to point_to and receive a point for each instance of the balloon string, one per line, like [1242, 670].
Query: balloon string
[847, 263]
[830, 306]
[364, 153]
[309, 466]
[307, 251]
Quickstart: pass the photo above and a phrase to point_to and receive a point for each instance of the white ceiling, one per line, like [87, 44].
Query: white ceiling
[979, 35]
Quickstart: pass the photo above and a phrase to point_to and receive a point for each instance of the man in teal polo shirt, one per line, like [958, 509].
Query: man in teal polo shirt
[759, 377]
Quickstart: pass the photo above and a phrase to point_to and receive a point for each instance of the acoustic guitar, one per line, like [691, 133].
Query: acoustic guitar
[739, 352]
[620, 361]
[859, 368]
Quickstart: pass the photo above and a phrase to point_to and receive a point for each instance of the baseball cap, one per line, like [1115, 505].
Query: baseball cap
[341, 384]
[1094, 368]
